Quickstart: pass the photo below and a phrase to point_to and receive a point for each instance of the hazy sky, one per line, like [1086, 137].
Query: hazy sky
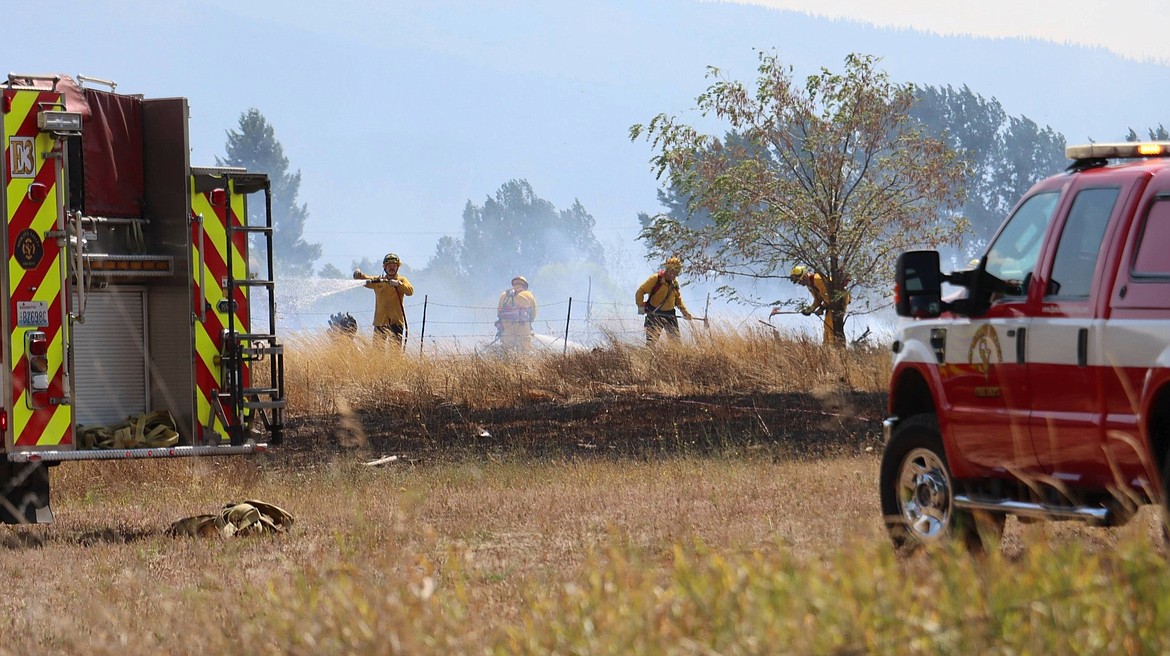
[1115, 24]
[397, 114]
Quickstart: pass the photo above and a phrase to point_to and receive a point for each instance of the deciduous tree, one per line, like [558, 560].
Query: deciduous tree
[831, 174]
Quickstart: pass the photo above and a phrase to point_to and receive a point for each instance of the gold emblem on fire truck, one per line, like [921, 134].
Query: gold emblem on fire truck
[29, 251]
[984, 350]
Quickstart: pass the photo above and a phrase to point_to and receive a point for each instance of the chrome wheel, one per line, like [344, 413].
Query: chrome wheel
[924, 495]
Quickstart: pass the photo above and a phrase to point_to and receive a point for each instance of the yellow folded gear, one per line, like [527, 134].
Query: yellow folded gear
[87, 437]
[240, 519]
[199, 526]
[235, 519]
[161, 431]
[98, 437]
[123, 439]
[279, 518]
[148, 430]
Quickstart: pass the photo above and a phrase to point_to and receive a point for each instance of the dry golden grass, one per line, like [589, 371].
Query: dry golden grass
[328, 375]
[369, 542]
[743, 554]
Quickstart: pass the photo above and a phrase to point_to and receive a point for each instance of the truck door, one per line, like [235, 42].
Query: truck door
[985, 377]
[1133, 347]
[1062, 346]
[37, 398]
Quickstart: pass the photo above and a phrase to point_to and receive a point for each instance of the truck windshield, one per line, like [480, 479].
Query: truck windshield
[1012, 257]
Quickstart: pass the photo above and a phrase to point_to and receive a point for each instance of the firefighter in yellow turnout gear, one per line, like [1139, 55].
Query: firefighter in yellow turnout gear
[821, 303]
[658, 297]
[514, 316]
[389, 291]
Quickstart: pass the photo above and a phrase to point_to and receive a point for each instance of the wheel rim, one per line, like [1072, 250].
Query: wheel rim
[924, 494]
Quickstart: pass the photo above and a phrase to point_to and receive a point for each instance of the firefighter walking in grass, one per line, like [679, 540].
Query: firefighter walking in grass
[514, 316]
[658, 297]
[390, 289]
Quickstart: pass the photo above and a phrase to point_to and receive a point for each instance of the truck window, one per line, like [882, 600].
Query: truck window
[1080, 242]
[1012, 257]
[1153, 258]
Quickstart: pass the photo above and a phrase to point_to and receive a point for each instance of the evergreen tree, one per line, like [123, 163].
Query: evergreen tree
[513, 233]
[255, 147]
[330, 272]
[1158, 134]
[1005, 154]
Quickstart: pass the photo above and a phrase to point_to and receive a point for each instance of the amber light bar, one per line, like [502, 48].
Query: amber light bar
[131, 264]
[1125, 150]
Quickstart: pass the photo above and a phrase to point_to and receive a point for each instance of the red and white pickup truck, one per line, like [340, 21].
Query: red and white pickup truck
[1043, 389]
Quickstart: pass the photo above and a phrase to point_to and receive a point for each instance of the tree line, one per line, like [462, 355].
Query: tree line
[840, 172]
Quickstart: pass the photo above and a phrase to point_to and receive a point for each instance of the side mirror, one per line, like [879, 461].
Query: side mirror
[918, 285]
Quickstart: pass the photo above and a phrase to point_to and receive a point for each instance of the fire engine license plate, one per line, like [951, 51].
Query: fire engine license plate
[32, 314]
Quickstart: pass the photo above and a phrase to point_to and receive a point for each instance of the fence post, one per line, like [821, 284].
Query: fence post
[423, 332]
[568, 316]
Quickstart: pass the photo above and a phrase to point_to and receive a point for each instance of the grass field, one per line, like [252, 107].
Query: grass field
[751, 550]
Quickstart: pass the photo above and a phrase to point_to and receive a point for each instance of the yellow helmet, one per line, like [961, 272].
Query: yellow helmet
[673, 264]
[522, 280]
[798, 271]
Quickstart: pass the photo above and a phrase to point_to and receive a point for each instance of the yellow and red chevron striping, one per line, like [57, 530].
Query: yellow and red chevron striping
[209, 333]
[34, 276]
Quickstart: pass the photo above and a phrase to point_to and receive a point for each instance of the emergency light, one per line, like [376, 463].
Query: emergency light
[130, 265]
[36, 349]
[59, 122]
[37, 192]
[1126, 150]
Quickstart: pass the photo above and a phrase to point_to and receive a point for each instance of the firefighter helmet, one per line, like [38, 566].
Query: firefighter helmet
[673, 264]
[522, 280]
[391, 258]
[798, 272]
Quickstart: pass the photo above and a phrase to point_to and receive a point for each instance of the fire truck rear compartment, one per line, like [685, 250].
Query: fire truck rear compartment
[166, 293]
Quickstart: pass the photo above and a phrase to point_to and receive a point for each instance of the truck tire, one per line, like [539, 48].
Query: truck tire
[917, 493]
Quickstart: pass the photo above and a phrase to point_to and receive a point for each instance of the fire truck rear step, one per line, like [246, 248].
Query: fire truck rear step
[136, 454]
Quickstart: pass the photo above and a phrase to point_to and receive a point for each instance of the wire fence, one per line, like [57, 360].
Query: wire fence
[305, 306]
[568, 324]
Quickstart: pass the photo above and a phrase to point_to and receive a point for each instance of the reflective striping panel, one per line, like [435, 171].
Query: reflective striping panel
[208, 332]
[35, 271]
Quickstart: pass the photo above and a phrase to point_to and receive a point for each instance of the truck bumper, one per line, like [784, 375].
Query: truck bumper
[888, 425]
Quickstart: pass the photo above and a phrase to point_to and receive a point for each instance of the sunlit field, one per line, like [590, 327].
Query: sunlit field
[758, 548]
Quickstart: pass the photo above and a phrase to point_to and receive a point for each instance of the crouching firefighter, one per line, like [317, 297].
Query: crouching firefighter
[658, 297]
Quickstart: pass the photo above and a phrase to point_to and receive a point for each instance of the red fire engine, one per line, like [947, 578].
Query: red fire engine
[138, 299]
[1043, 390]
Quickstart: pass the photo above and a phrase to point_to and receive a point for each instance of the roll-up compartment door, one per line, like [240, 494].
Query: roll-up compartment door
[109, 357]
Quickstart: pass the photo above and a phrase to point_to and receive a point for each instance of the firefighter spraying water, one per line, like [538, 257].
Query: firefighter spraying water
[390, 289]
[515, 313]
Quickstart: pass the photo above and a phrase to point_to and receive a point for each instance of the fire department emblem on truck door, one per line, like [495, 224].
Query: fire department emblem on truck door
[984, 350]
[29, 249]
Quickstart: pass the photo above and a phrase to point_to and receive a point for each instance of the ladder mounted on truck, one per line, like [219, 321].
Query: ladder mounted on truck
[251, 359]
